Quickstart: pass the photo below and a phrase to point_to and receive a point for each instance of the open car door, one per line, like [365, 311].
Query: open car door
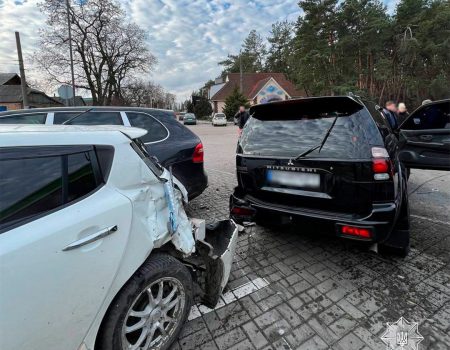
[424, 137]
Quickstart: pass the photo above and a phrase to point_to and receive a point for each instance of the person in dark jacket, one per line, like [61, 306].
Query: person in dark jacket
[242, 117]
[390, 111]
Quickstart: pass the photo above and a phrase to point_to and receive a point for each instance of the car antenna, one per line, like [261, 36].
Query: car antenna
[76, 116]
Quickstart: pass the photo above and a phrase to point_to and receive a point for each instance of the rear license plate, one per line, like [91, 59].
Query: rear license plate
[293, 179]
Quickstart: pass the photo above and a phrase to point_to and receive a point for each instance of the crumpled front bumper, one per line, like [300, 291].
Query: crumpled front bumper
[215, 249]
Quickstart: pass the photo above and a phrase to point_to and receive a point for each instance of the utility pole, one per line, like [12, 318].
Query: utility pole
[240, 71]
[23, 82]
[70, 51]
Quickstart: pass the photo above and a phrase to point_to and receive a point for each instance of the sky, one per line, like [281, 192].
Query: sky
[187, 37]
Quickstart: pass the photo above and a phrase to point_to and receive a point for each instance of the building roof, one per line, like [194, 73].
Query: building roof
[252, 83]
[5, 79]
[13, 94]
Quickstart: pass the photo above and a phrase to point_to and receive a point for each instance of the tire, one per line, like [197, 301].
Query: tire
[134, 298]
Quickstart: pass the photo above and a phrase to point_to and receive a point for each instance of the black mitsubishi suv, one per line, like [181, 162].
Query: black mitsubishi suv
[336, 161]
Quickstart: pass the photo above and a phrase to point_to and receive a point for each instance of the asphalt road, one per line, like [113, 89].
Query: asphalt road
[429, 190]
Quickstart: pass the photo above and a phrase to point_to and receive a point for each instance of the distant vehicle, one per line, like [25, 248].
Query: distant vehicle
[175, 146]
[219, 119]
[235, 119]
[97, 228]
[189, 119]
[181, 116]
[336, 161]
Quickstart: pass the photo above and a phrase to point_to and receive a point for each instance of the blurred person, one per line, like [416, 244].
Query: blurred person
[242, 117]
[402, 113]
[390, 111]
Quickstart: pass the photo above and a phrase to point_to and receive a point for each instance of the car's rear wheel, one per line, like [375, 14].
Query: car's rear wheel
[150, 310]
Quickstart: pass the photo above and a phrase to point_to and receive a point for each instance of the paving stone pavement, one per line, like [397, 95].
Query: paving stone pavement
[322, 292]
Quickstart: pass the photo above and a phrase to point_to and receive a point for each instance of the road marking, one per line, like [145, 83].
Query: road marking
[430, 219]
[229, 297]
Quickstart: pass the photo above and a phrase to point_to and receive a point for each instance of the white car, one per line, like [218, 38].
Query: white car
[219, 119]
[96, 250]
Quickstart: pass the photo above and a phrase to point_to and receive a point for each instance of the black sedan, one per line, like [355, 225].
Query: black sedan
[173, 144]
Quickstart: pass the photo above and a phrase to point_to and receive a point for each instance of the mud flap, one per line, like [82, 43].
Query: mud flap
[216, 246]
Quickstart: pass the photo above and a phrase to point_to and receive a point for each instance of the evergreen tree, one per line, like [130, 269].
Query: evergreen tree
[315, 46]
[233, 102]
[279, 52]
[251, 57]
[202, 108]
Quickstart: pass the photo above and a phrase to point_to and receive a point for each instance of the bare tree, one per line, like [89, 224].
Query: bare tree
[146, 94]
[108, 50]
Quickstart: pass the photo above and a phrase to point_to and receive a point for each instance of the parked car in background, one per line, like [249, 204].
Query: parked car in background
[96, 245]
[189, 119]
[336, 161]
[219, 119]
[181, 115]
[174, 145]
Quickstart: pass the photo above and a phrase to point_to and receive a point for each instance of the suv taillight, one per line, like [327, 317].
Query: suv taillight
[197, 157]
[382, 166]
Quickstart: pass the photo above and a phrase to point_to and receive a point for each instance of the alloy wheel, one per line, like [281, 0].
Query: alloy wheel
[154, 315]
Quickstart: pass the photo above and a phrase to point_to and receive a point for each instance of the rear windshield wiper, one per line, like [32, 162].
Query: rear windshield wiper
[76, 116]
[319, 146]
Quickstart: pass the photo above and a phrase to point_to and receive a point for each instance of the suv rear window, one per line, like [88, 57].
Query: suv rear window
[287, 129]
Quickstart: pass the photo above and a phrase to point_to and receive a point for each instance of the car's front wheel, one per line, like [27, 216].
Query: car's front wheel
[151, 309]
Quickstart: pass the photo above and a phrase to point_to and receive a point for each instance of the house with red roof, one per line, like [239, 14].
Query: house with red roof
[257, 87]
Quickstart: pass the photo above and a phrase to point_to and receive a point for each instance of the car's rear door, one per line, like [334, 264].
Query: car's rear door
[424, 138]
[62, 235]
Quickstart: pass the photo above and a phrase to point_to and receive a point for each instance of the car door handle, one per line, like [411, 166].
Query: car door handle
[426, 137]
[91, 238]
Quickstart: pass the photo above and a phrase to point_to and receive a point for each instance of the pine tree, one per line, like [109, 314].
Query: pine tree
[252, 56]
[233, 102]
[279, 52]
[203, 108]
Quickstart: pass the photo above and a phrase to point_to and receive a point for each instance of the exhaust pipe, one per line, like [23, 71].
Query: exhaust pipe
[374, 248]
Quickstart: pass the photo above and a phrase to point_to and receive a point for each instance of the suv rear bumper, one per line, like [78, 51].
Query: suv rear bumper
[381, 219]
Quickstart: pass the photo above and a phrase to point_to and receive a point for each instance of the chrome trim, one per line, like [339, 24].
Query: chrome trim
[91, 238]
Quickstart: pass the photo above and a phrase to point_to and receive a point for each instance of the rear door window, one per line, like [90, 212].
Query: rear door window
[29, 118]
[289, 129]
[89, 118]
[156, 131]
[35, 182]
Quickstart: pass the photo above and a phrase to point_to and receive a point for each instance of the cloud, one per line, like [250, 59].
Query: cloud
[188, 37]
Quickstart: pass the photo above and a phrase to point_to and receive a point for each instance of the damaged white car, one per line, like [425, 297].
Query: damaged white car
[96, 250]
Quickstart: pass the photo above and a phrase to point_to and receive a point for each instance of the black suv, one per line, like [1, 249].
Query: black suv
[172, 143]
[335, 160]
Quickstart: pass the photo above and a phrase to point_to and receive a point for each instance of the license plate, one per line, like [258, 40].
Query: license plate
[293, 179]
